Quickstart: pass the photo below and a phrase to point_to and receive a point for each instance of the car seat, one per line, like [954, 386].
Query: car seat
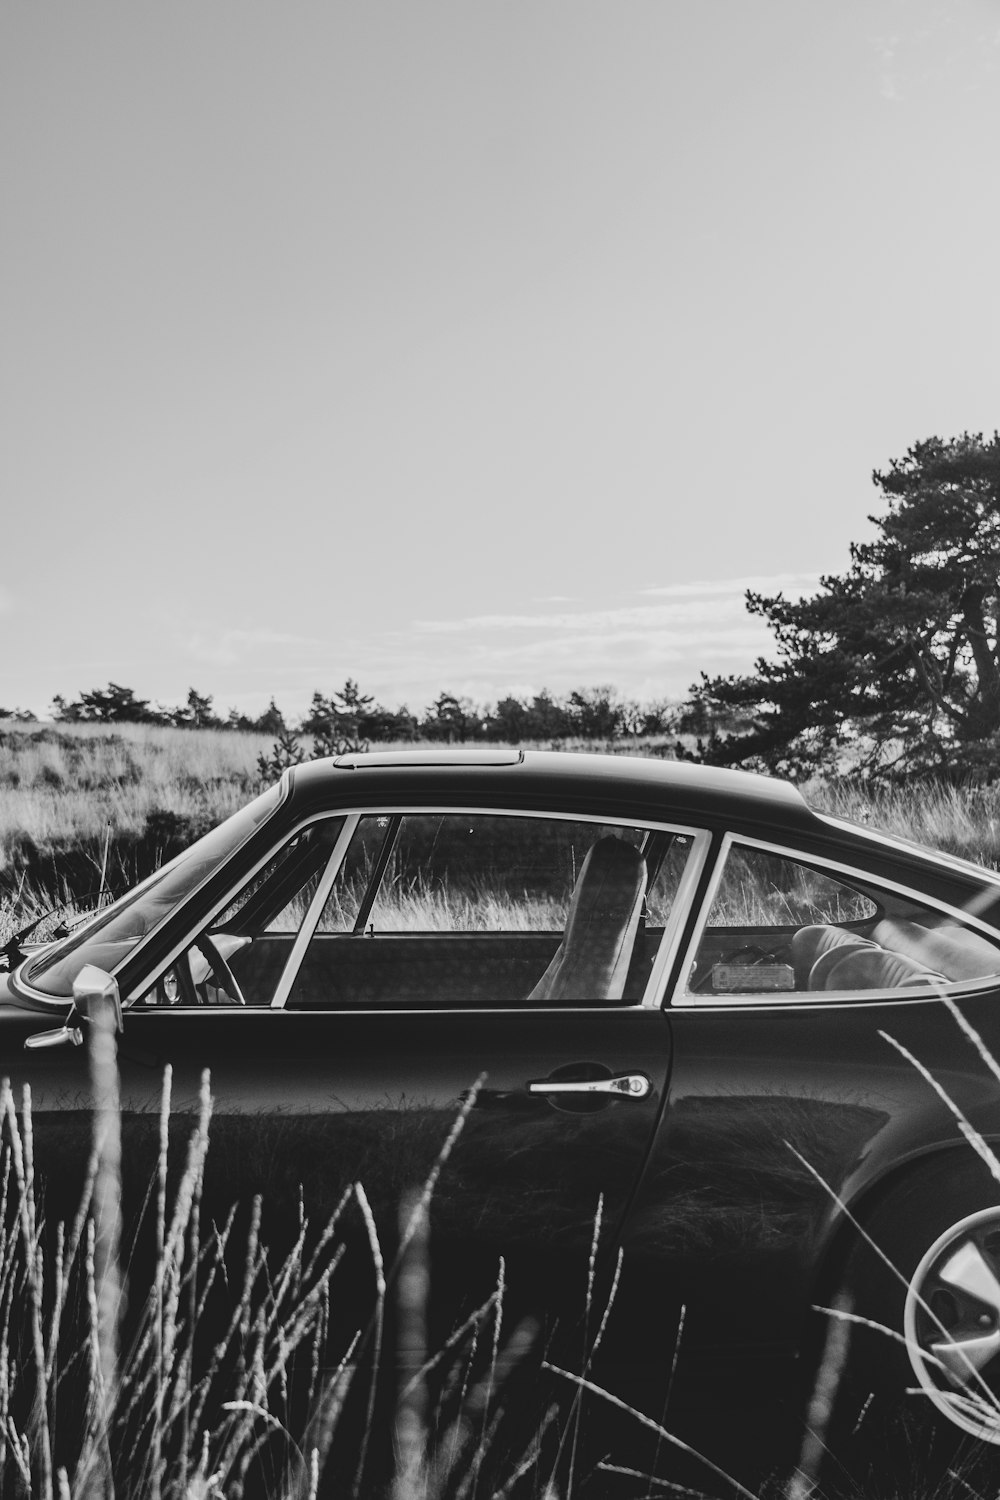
[592, 961]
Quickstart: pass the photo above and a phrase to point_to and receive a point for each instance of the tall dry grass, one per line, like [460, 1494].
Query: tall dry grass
[962, 820]
[66, 784]
[162, 1417]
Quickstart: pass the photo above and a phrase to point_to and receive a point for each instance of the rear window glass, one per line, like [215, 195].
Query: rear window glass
[780, 926]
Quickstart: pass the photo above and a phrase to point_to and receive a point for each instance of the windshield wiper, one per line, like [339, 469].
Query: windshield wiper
[12, 951]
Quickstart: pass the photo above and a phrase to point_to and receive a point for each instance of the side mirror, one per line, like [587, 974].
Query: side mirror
[95, 999]
[57, 1038]
[95, 995]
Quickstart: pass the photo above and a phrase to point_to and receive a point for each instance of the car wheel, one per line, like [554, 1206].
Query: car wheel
[951, 1322]
[928, 1358]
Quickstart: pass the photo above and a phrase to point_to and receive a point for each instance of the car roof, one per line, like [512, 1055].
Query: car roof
[625, 785]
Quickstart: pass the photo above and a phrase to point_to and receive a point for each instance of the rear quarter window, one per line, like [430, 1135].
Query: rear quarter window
[778, 925]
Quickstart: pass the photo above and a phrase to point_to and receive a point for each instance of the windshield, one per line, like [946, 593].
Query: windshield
[108, 939]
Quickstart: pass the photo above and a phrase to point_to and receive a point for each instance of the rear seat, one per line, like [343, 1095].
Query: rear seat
[826, 962]
[958, 952]
[872, 968]
[810, 944]
[898, 953]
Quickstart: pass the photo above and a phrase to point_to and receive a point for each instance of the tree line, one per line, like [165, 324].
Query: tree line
[352, 715]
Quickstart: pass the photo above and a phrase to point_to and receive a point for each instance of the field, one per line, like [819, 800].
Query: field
[256, 1412]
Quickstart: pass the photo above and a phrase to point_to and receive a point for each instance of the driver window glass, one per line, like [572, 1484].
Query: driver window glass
[474, 909]
[480, 873]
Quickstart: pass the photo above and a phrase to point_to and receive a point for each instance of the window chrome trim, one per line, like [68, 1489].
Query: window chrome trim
[686, 1000]
[310, 921]
[666, 955]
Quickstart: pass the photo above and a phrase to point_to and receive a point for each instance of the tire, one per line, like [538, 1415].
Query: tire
[923, 1388]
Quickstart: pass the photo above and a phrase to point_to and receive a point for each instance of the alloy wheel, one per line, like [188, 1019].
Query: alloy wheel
[951, 1322]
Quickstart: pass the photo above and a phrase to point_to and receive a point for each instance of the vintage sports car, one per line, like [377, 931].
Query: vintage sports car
[756, 1037]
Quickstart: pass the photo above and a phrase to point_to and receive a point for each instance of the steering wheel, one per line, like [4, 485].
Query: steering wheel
[182, 971]
[223, 974]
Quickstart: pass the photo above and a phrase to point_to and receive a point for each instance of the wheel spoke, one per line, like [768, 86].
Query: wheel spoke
[965, 1354]
[969, 1271]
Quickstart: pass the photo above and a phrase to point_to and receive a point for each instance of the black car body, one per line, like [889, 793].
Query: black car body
[673, 998]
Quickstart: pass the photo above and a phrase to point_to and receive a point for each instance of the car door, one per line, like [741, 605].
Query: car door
[393, 1042]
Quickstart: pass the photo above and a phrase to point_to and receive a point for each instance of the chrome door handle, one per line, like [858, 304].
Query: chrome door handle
[631, 1085]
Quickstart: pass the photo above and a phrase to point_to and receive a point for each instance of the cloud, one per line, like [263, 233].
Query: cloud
[685, 605]
[664, 636]
[760, 583]
[6, 601]
[231, 646]
[887, 48]
[649, 645]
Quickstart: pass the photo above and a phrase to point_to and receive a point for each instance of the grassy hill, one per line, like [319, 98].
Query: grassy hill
[78, 802]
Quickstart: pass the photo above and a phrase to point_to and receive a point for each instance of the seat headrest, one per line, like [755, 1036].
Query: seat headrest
[592, 961]
[610, 877]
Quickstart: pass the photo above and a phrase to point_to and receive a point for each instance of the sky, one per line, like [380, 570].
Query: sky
[475, 348]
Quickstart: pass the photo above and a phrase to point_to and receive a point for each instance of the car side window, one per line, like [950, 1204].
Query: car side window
[490, 909]
[779, 926]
